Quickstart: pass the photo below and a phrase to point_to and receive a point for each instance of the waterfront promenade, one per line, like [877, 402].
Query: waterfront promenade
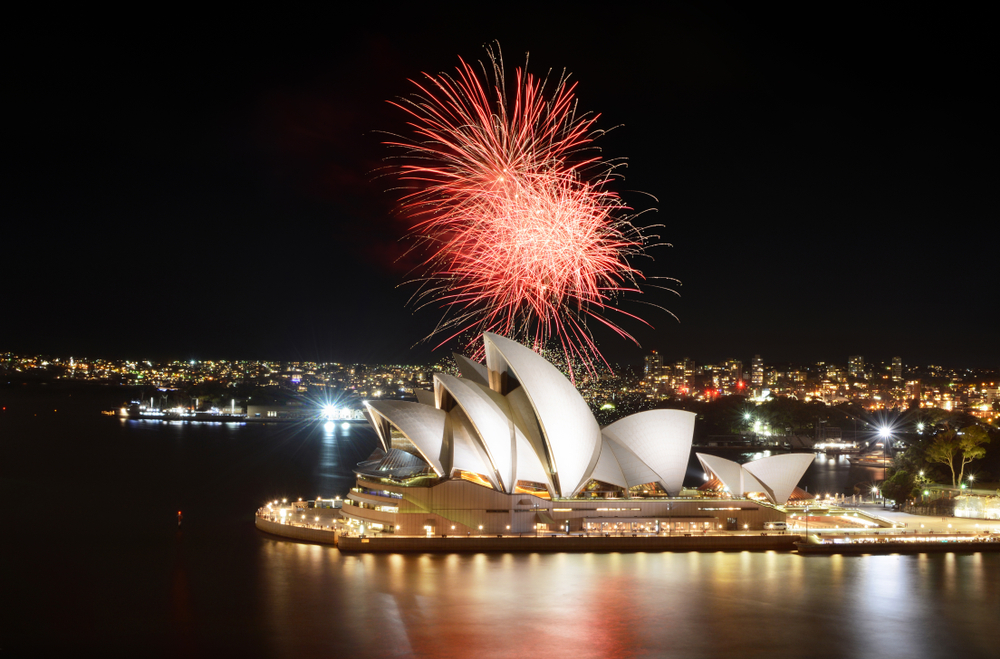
[937, 524]
[322, 531]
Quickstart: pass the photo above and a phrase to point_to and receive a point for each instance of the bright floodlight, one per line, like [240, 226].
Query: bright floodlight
[330, 411]
[884, 431]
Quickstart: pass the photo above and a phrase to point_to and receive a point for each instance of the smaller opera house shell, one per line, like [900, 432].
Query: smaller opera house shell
[512, 447]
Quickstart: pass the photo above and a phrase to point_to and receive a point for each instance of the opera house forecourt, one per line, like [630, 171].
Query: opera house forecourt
[511, 448]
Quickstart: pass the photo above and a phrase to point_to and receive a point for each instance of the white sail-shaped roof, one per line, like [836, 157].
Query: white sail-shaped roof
[468, 449]
[424, 397]
[489, 417]
[635, 471]
[570, 432]
[780, 473]
[727, 471]
[526, 424]
[775, 477]
[470, 370]
[661, 440]
[519, 418]
[753, 484]
[529, 468]
[381, 427]
[608, 469]
[423, 425]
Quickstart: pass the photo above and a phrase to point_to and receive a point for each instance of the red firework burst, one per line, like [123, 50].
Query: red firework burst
[523, 236]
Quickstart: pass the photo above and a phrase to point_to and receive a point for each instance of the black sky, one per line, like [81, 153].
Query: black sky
[204, 186]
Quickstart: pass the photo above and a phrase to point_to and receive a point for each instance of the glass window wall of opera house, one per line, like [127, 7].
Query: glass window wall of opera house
[511, 447]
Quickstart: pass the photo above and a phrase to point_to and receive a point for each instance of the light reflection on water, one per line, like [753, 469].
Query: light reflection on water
[131, 580]
[641, 604]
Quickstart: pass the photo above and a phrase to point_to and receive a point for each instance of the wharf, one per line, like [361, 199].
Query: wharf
[898, 544]
[527, 543]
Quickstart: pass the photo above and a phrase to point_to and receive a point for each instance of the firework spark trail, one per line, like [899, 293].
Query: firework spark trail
[521, 241]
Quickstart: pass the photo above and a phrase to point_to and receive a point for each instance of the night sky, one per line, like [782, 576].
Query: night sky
[195, 186]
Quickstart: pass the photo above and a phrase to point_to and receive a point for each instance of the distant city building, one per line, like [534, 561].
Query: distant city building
[682, 375]
[856, 366]
[734, 370]
[897, 369]
[757, 372]
[653, 367]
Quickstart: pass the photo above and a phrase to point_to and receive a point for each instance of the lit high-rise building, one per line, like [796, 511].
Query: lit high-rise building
[856, 366]
[653, 366]
[732, 376]
[757, 372]
[897, 369]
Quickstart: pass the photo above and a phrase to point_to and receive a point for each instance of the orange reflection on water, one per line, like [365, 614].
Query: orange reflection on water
[610, 605]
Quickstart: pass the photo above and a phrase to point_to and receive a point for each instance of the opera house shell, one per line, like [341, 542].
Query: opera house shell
[514, 436]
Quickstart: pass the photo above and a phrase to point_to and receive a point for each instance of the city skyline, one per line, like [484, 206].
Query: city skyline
[201, 192]
[667, 360]
[321, 385]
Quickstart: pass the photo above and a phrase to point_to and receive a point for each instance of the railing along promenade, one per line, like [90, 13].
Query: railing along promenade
[316, 531]
[320, 532]
[570, 543]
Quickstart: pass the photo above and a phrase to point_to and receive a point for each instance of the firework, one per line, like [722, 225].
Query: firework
[512, 206]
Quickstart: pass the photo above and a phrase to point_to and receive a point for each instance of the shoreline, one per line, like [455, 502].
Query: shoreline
[578, 543]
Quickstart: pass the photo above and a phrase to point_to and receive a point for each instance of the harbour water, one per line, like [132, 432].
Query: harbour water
[93, 561]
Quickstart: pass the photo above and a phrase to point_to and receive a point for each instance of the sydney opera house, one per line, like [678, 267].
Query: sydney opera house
[511, 447]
